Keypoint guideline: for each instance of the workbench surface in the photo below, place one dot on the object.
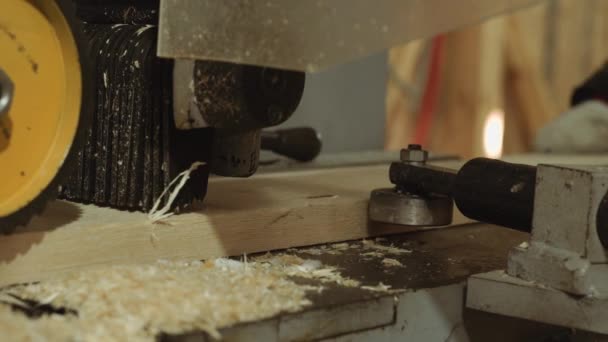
(438, 259)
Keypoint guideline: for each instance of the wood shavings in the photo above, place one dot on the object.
(310, 251)
(136, 303)
(368, 244)
(378, 288)
(373, 255)
(373, 249)
(333, 249)
(295, 266)
(18, 327)
(8, 299)
(392, 262)
(172, 190)
(341, 246)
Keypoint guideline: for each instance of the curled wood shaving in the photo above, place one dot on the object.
(172, 191)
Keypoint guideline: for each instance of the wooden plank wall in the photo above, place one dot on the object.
(526, 64)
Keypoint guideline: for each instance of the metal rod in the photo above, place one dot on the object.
(484, 189)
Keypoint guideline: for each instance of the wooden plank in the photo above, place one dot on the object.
(400, 100)
(491, 79)
(527, 85)
(597, 10)
(452, 129)
(571, 44)
(472, 88)
(267, 212)
(533, 22)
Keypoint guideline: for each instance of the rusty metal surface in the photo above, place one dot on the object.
(389, 205)
(398, 205)
(438, 258)
(309, 35)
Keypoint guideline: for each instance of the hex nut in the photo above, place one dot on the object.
(414, 156)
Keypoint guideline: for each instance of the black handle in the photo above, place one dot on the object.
(302, 143)
(496, 192)
(484, 189)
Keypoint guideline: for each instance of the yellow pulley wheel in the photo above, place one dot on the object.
(42, 95)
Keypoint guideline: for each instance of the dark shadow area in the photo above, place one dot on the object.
(484, 326)
(32, 309)
(57, 214)
(6, 127)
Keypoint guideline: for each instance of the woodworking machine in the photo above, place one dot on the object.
(107, 101)
(89, 112)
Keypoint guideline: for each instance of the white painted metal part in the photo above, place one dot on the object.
(425, 315)
(309, 35)
(560, 276)
(497, 292)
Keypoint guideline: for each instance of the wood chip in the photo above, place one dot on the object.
(369, 244)
(373, 254)
(378, 288)
(392, 262)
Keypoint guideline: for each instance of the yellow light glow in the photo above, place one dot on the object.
(493, 134)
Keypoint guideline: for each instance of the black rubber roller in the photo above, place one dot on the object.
(494, 191)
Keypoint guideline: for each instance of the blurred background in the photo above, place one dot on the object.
(482, 90)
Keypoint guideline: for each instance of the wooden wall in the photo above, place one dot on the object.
(526, 64)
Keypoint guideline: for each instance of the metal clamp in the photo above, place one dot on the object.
(400, 206)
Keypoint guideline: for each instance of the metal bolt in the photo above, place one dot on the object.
(414, 154)
(6, 93)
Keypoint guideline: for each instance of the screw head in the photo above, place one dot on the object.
(414, 154)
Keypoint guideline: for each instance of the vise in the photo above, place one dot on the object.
(560, 276)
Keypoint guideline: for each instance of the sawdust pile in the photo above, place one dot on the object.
(135, 303)
(295, 266)
(17, 327)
